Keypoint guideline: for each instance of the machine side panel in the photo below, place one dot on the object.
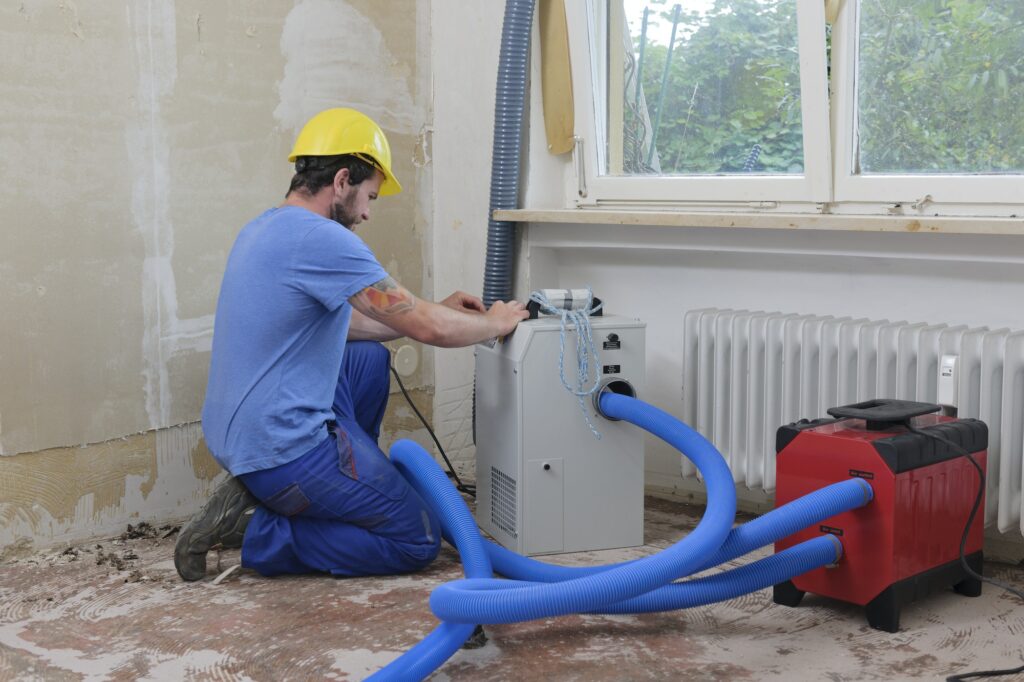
(932, 505)
(498, 446)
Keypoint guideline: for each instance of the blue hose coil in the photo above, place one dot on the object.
(461, 602)
(640, 586)
(766, 529)
(796, 560)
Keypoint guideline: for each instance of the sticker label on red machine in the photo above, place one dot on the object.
(856, 473)
(831, 530)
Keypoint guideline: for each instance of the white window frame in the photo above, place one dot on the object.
(590, 78)
(828, 184)
(935, 189)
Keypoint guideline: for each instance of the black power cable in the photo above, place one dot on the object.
(958, 449)
(468, 489)
(985, 673)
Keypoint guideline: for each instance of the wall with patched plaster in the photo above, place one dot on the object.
(138, 137)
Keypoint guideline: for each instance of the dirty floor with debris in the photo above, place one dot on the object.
(116, 610)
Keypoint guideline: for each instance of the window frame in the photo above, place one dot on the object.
(828, 183)
(934, 189)
(590, 76)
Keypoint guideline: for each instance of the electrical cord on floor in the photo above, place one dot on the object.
(468, 489)
(958, 449)
(985, 673)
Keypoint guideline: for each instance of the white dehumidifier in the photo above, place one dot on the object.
(545, 483)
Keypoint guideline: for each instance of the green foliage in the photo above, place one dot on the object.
(733, 83)
(939, 89)
(941, 86)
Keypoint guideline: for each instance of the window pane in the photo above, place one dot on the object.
(939, 86)
(729, 101)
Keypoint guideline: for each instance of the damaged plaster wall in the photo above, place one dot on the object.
(139, 136)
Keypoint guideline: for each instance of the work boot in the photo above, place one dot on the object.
(219, 524)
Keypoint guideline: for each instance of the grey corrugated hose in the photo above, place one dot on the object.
(509, 104)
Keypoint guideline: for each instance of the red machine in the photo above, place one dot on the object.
(905, 543)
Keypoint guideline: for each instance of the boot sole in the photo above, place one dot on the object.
(189, 547)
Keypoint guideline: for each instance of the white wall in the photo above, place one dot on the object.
(657, 274)
(465, 39)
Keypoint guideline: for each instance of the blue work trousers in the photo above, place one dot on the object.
(342, 507)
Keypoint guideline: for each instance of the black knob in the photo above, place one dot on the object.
(547, 467)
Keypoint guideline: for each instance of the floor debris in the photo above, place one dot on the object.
(117, 610)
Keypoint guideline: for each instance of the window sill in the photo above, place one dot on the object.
(784, 221)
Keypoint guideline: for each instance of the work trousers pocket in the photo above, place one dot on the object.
(360, 459)
(288, 502)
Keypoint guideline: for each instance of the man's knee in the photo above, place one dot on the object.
(370, 354)
(363, 385)
(374, 361)
(422, 551)
(419, 555)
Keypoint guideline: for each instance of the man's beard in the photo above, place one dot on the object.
(342, 213)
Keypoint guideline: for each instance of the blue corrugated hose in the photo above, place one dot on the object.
(541, 590)
(774, 525)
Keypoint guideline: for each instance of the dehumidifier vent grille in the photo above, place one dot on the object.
(503, 501)
(746, 373)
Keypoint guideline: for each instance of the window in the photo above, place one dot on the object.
(710, 90)
(727, 103)
(930, 101)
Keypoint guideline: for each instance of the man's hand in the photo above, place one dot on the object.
(464, 302)
(507, 315)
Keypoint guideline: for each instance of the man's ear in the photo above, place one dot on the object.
(341, 179)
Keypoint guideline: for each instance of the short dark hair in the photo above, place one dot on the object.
(313, 173)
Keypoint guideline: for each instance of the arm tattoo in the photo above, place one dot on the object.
(385, 298)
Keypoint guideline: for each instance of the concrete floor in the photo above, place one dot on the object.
(116, 610)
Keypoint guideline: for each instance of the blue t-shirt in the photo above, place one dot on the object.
(279, 336)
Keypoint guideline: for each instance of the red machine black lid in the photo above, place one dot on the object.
(905, 450)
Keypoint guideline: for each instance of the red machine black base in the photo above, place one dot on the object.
(905, 543)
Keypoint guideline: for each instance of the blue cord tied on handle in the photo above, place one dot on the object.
(574, 307)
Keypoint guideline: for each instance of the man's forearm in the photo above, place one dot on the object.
(363, 328)
(446, 325)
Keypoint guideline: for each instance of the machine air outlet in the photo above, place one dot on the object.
(503, 501)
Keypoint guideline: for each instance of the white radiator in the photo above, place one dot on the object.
(745, 373)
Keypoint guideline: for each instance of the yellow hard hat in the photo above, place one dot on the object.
(347, 131)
